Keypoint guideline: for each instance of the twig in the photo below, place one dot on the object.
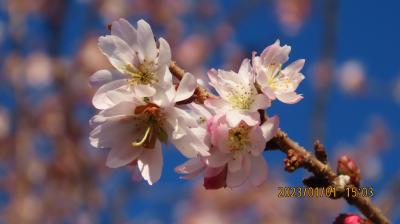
(317, 166)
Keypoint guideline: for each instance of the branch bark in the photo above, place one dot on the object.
(320, 169)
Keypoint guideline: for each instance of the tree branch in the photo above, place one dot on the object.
(319, 168)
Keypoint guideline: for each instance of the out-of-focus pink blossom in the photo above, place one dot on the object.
(192, 51)
(351, 77)
(292, 13)
(39, 70)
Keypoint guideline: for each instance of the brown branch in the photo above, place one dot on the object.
(317, 166)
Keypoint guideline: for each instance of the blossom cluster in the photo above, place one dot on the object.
(142, 106)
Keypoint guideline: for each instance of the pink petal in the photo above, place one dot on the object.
(235, 164)
(150, 163)
(234, 118)
(289, 97)
(258, 170)
(191, 168)
(270, 127)
(260, 102)
(257, 141)
(216, 159)
(235, 179)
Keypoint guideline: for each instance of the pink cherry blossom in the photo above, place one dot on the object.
(274, 81)
(236, 154)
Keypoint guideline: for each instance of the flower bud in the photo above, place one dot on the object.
(347, 166)
(350, 219)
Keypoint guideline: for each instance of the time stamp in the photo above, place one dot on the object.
(310, 192)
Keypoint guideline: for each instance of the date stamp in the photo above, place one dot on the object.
(310, 192)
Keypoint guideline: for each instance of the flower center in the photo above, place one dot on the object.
(241, 98)
(142, 75)
(151, 119)
(276, 79)
(238, 137)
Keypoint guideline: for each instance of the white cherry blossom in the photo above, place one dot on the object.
(139, 64)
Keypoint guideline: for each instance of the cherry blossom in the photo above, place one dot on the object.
(274, 81)
(139, 65)
(236, 153)
(134, 129)
(239, 98)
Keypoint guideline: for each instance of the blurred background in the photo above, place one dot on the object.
(48, 49)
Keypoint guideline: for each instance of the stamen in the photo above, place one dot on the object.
(145, 137)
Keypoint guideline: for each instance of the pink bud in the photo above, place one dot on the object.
(350, 219)
(348, 167)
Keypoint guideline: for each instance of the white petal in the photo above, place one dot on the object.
(123, 108)
(144, 91)
(275, 54)
(270, 127)
(217, 105)
(186, 87)
(258, 170)
(110, 131)
(237, 178)
(146, 40)
(268, 92)
(150, 163)
(122, 154)
(245, 68)
(100, 99)
(191, 168)
(289, 97)
(117, 51)
(260, 102)
(124, 30)
(234, 118)
(164, 57)
(217, 159)
(191, 145)
(104, 76)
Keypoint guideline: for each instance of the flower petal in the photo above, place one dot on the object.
(122, 154)
(150, 164)
(186, 87)
(164, 57)
(124, 30)
(289, 97)
(191, 168)
(216, 159)
(258, 170)
(104, 76)
(261, 101)
(101, 100)
(235, 164)
(146, 41)
(117, 51)
(270, 127)
(234, 118)
(144, 91)
(235, 179)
